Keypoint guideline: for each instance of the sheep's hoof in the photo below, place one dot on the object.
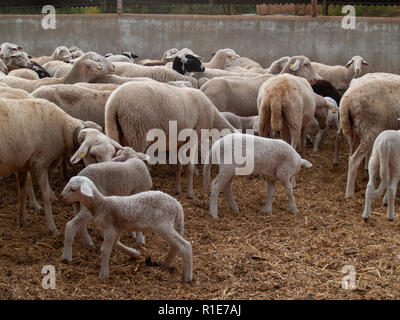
(191, 196)
(366, 220)
(66, 260)
(214, 215)
(390, 219)
(35, 206)
(103, 275)
(55, 232)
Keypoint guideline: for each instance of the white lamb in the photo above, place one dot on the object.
(385, 162)
(126, 175)
(275, 159)
(151, 210)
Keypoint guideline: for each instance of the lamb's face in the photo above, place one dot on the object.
(63, 54)
(77, 187)
(20, 59)
(96, 65)
(99, 153)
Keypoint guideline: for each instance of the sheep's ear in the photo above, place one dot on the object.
(364, 62)
(143, 156)
(115, 144)
(79, 154)
(95, 66)
(86, 189)
(349, 63)
(294, 66)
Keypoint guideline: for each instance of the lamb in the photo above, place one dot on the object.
(369, 106)
(287, 101)
(35, 135)
(128, 119)
(385, 162)
(275, 67)
(158, 73)
(53, 66)
(340, 76)
(16, 60)
(239, 96)
(88, 67)
(332, 119)
(223, 58)
(150, 210)
(24, 74)
(79, 102)
(61, 53)
(189, 63)
(275, 159)
(126, 175)
(241, 123)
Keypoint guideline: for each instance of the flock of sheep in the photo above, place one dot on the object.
(53, 110)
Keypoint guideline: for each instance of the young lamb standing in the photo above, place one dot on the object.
(126, 175)
(146, 211)
(385, 162)
(275, 159)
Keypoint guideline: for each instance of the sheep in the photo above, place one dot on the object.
(35, 135)
(79, 102)
(275, 159)
(168, 56)
(75, 52)
(126, 175)
(98, 86)
(89, 66)
(241, 123)
(369, 106)
(385, 162)
(187, 64)
(332, 119)
(53, 66)
(61, 53)
(214, 73)
(326, 89)
(245, 62)
(287, 101)
(128, 118)
(118, 58)
(223, 58)
(180, 84)
(239, 96)
(7, 49)
(150, 210)
(275, 67)
(16, 60)
(3, 67)
(340, 76)
(24, 74)
(157, 73)
(41, 72)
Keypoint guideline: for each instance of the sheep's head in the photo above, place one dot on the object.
(278, 65)
(128, 153)
(62, 53)
(94, 147)
(19, 59)
(95, 65)
(130, 55)
(231, 57)
(355, 64)
(322, 108)
(189, 63)
(76, 187)
(7, 49)
(300, 66)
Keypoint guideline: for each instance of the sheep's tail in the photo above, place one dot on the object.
(346, 122)
(180, 220)
(263, 122)
(112, 125)
(305, 163)
(381, 164)
(276, 113)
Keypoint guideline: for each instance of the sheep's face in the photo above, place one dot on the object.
(192, 64)
(128, 153)
(301, 67)
(20, 59)
(99, 153)
(232, 58)
(76, 54)
(355, 64)
(77, 187)
(96, 65)
(63, 54)
(7, 49)
(169, 55)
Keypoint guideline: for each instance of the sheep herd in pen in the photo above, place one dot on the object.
(73, 105)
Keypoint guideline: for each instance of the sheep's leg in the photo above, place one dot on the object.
(129, 251)
(229, 196)
(303, 140)
(366, 159)
(391, 196)
(33, 203)
(139, 237)
(189, 190)
(294, 138)
(369, 193)
(338, 141)
(52, 194)
(178, 244)
(22, 191)
(318, 139)
(178, 178)
(43, 181)
(384, 201)
(77, 223)
(354, 164)
(289, 191)
(270, 195)
(110, 235)
(216, 186)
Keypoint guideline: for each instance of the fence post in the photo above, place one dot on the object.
(324, 8)
(314, 8)
(119, 7)
(211, 4)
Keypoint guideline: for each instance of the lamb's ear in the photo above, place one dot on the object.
(86, 189)
(115, 144)
(364, 62)
(294, 66)
(143, 156)
(349, 63)
(80, 153)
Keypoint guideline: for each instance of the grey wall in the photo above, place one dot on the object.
(261, 38)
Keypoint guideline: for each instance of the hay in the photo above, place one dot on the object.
(240, 256)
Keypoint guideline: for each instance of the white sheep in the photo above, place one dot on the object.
(241, 123)
(24, 74)
(61, 53)
(385, 163)
(223, 58)
(35, 135)
(126, 175)
(146, 211)
(340, 76)
(275, 159)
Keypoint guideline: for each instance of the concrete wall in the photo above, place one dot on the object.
(262, 38)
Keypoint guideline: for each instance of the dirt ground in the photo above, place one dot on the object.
(239, 256)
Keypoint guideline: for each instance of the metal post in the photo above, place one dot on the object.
(119, 7)
(314, 8)
(324, 8)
